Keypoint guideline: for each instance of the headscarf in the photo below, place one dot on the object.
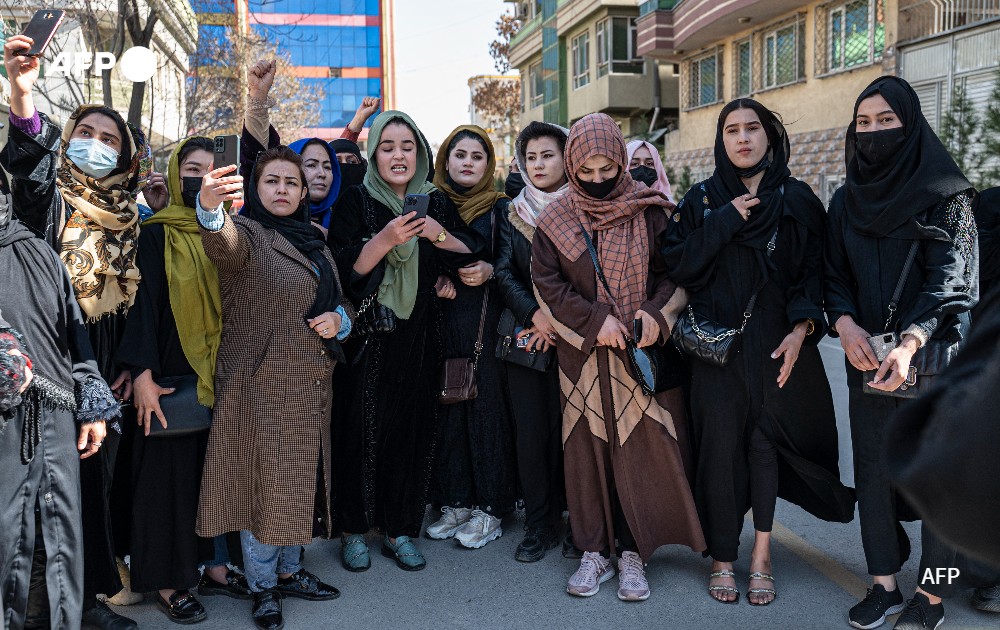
(299, 231)
(321, 210)
(725, 184)
(619, 219)
(478, 200)
(398, 289)
(192, 283)
(343, 145)
(99, 240)
(530, 202)
(885, 199)
(662, 181)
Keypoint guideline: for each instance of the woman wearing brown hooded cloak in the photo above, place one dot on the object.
(626, 453)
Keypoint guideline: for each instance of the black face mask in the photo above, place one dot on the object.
(878, 147)
(351, 175)
(644, 174)
(514, 185)
(746, 173)
(599, 190)
(190, 187)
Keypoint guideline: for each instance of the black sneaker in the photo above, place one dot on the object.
(920, 614)
(305, 585)
(987, 599)
(236, 586)
(536, 541)
(182, 608)
(266, 611)
(102, 617)
(875, 607)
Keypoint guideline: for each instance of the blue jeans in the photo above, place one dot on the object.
(220, 553)
(265, 562)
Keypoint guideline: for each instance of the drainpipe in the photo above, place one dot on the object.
(656, 95)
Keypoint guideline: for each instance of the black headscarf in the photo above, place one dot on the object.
(350, 174)
(884, 199)
(298, 230)
(726, 185)
(343, 145)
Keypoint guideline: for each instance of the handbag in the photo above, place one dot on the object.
(373, 318)
(508, 350)
(653, 366)
(709, 341)
(184, 414)
(929, 361)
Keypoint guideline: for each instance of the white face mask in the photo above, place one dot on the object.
(92, 156)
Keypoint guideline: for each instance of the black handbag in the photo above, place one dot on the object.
(181, 409)
(710, 341)
(373, 318)
(929, 361)
(507, 349)
(652, 365)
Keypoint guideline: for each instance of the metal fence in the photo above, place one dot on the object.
(924, 18)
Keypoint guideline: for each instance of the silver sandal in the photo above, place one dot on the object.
(758, 591)
(725, 589)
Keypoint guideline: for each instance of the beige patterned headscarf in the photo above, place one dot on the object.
(98, 244)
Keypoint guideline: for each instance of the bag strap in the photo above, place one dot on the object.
(593, 257)
(894, 303)
(486, 295)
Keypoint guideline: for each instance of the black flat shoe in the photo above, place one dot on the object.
(236, 586)
(182, 608)
(100, 616)
(267, 611)
(305, 585)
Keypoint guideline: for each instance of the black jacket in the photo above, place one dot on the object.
(513, 266)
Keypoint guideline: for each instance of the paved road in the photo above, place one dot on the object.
(819, 566)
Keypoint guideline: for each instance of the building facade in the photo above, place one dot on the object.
(580, 56)
(809, 61)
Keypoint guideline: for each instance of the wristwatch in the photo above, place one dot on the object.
(441, 237)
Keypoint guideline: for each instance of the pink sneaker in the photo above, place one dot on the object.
(632, 584)
(594, 570)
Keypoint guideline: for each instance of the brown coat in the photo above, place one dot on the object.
(272, 392)
(615, 437)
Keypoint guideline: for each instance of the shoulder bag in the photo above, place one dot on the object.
(184, 414)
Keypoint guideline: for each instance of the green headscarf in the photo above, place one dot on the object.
(398, 289)
(192, 282)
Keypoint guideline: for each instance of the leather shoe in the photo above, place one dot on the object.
(267, 611)
(182, 608)
(236, 585)
(100, 616)
(305, 585)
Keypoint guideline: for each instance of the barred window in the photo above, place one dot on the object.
(537, 92)
(849, 34)
(704, 76)
(743, 68)
(617, 46)
(784, 54)
(581, 60)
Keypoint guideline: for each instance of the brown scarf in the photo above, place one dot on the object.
(479, 199)
(99, 240)
(619, 219)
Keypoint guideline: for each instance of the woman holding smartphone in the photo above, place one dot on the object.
(392, 260)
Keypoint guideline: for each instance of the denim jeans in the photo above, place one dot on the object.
(265, 562)
(220, 551)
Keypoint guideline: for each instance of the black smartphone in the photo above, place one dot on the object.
(227, 151)
(418, 204)
(636, 330)
(41, 29)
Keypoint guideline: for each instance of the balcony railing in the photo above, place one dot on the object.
(652, 5)
(926, 18)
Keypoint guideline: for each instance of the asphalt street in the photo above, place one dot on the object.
(819, 567)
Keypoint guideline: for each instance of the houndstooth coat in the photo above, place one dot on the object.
(271, 427)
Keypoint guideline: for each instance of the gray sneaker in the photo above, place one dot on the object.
(446, 526)
(632, 584)
(594, 570)
(479, 530)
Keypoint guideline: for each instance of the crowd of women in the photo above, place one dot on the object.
(576, 343)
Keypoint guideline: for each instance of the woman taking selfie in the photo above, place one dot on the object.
(385, 442)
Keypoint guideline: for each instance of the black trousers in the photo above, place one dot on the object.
(534, 400)
(100, 572)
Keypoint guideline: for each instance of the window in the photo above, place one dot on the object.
(617, 43)
(703, 80)
(855, 35)
(784, 55)
(743, 68)
(535, 84)
(581, 61)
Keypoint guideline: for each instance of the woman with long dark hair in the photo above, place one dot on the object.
(747, 244)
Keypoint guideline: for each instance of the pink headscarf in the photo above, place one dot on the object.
(662, 183)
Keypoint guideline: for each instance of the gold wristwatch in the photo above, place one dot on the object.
(441, 237)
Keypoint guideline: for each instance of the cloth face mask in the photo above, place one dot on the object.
(644, 174)
(878, 147)
(598, 190)
(92, 156)
(190, 187)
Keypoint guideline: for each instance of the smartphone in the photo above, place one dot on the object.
(227, 151)
(418, 204)
(41, 29)
(636, 330)
(882, 345)
(522, 342)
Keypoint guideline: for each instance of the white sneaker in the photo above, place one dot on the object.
(448, 524)
(594, 570)
(632, 584)
(481, 529)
